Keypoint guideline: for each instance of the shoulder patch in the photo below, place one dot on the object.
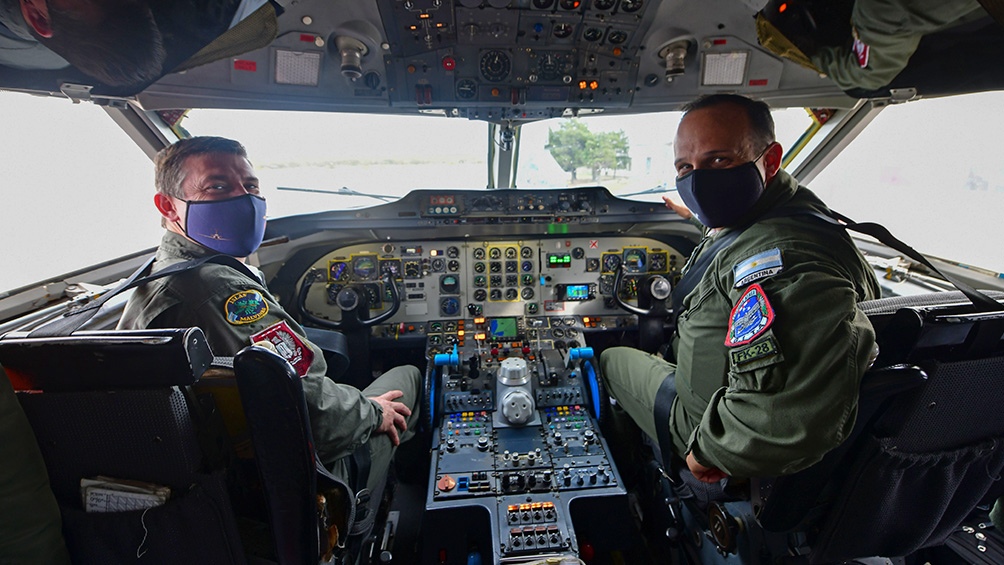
(759, 266)
(288, 345)
(861, 51)
(750, 317)
(245, 307)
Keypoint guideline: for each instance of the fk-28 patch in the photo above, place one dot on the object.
(750, 317)
(759, 266)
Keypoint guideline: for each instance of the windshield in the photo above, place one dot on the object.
(391, 155)
(930, 171)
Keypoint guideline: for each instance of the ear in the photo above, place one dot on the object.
(166, 206)
(36, 15)
(772, 158)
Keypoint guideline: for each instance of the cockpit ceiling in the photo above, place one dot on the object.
(499, 60)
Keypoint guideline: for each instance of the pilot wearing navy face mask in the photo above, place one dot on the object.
(770, 346)
(208, 196)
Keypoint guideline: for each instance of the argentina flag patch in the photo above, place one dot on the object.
(759, 266)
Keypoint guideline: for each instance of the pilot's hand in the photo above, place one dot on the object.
(680, 209)
(394, 414)
(704, 474)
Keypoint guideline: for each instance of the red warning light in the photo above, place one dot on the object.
(449, 63)
(782, 7)
(593, 85)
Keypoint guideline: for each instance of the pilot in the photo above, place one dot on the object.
(115, 41)
(208, 196)
(770, 347)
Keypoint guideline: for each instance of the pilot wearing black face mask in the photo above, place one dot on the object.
(770, 346)
(721, 197)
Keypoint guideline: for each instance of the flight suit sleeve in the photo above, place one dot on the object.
(886, 34)
(341, 417)
(793, 387)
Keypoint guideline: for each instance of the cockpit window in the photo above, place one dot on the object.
(339, 161)
(310, 162)
(930, 171)
(76, 190)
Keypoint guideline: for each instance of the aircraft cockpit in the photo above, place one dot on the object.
(475, 188)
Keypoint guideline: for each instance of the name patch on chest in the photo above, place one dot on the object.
(245, 307)
(288, 345)
(750, 317)
(759, 266)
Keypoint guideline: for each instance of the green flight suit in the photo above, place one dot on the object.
(31, 530)
(887, 32)
(341, 416)
(776, 404)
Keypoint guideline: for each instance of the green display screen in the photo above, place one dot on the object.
(502, 327)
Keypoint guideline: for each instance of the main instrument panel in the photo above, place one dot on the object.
(443, 282)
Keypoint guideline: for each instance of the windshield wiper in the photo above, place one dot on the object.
(654, 190)
(344, 191)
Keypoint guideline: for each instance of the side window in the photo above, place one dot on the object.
(76, 190)
(931, 172)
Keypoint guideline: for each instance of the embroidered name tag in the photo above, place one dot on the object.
(759, 266)
(750, 317)
(245, 307)
(288, 345)
(763, 348)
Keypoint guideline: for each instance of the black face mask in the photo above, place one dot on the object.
(721, 197)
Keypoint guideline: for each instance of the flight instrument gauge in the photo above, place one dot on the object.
(449, 306)
(611, 262)
(364, 267)
(338, 271)
(438, 265)
(467, 89)
(449, 284)
(629, 6)
(617, 37)
(390, 267)
(452, 252)
(592, 34)
(479, 253)
(495, 65)
(526, 252)
(656, 262)
(562, 31)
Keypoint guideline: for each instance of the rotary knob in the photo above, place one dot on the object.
(513, 371)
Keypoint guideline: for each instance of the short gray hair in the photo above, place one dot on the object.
(169, 163)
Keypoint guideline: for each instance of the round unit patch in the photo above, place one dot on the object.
(245, 307)
(750, 317)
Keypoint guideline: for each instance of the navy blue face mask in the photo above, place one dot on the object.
(234, 226)
(721, 197)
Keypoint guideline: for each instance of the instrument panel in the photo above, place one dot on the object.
(456, 279)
